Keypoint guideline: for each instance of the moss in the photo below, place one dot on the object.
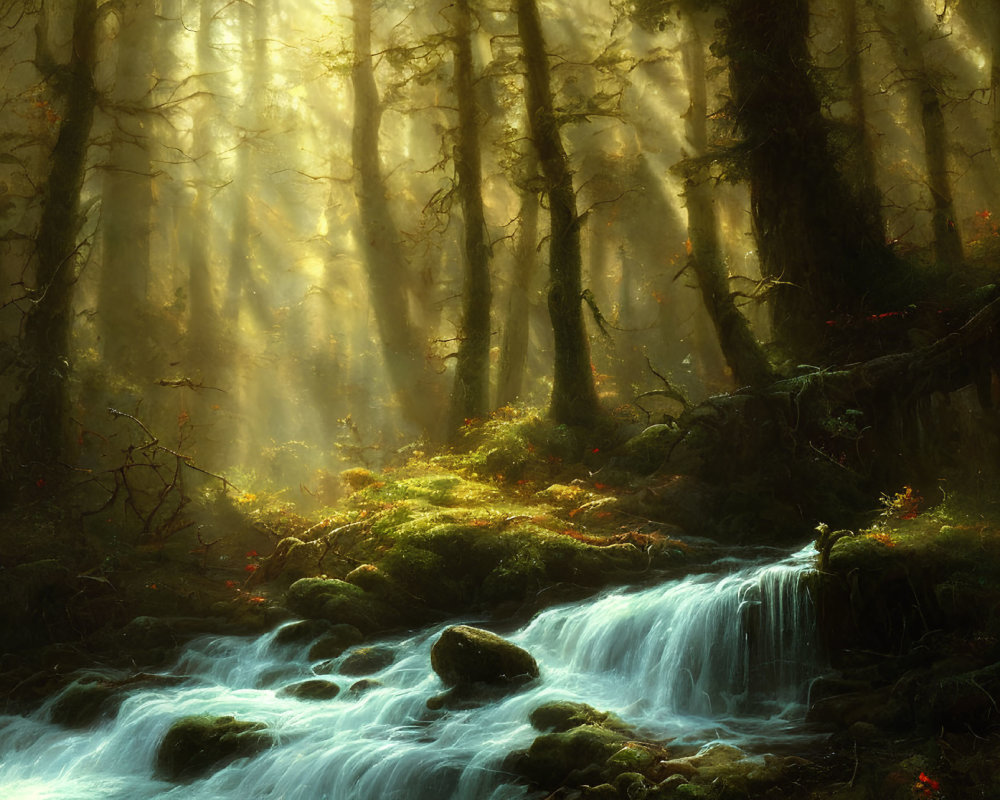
(339, 602)
(195, 745)
(563, 715)
(552, 757)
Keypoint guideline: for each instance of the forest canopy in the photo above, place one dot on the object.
(281, 238)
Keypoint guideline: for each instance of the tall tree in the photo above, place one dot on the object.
(127, 197)
(38, 418)
(384, 259)
(470, 394)
(743, 352)
(816, 239)
(574, 395)
(900, 23)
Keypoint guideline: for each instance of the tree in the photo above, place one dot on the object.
(380, 239)
(574, 395)
(38, 418)
(900, 24)
(743, 353)
(470, 393)
(817, 241)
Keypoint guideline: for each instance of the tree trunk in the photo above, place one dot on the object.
(514, 349)
(380, 241)
(574, 396)
(902, 31)
(862, 150)
(37, 423)
(825, 255)
(470, 394)
(127, 200)
(742, 351)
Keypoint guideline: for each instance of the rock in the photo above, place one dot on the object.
(561, 715)
(632, 785)
(553, 757)
(93, 697)
(194, 746)
(340, 602)
(464, 655)
(364, 685)
(366, 660)
(339, 638)
(305, 630)
(633, 757)
(316, 689)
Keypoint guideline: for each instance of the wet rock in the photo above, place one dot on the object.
(555, 759)
(366, 660)
(339, 639)
(303, 631)
(315, 689)
(562, 715)
(364, 685)
(94, 697)
(464, 655)
(194, 746)
(339, 602)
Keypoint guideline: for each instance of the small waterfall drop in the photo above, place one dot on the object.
(723, 655)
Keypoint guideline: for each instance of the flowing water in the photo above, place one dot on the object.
(721, 656)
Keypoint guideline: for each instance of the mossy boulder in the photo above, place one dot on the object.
(465, 655)
(302, 631)
(91, 698)
(569, 757)
(338, 639)
(366, 660)
(339, 602)
(563, 715)
(315, 689)
(196, 745)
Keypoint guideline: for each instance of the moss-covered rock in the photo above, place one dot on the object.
(366, 660)
(338, 639)
(93, 697)
(339, 602)
(562, 715)
(196, 745)
(463, 655)
(315, 689)
(553, 758)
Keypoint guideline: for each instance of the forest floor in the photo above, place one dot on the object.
(525, 514)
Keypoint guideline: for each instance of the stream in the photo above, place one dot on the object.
(725, 655)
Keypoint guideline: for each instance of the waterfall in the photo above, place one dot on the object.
(723, 655)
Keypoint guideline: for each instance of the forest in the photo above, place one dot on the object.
(378, 372)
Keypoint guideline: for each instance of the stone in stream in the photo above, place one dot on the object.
(465, 655)
(196, 745)
(366, 660)
(315, 689)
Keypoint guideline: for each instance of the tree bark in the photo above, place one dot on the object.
(127, 199)
(516, 330)
(901, 29)
(574, 395)
(470, 393)
(742, 351)
(380, 241)
(37, 422)
(816, 242)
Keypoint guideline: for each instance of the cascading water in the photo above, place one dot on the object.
(724, 655)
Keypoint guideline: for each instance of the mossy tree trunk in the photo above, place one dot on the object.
(743, 353)
(470, 393)
(901, 27)
(816, 241)
(38, 419)
(384, 259)
(574, 395)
